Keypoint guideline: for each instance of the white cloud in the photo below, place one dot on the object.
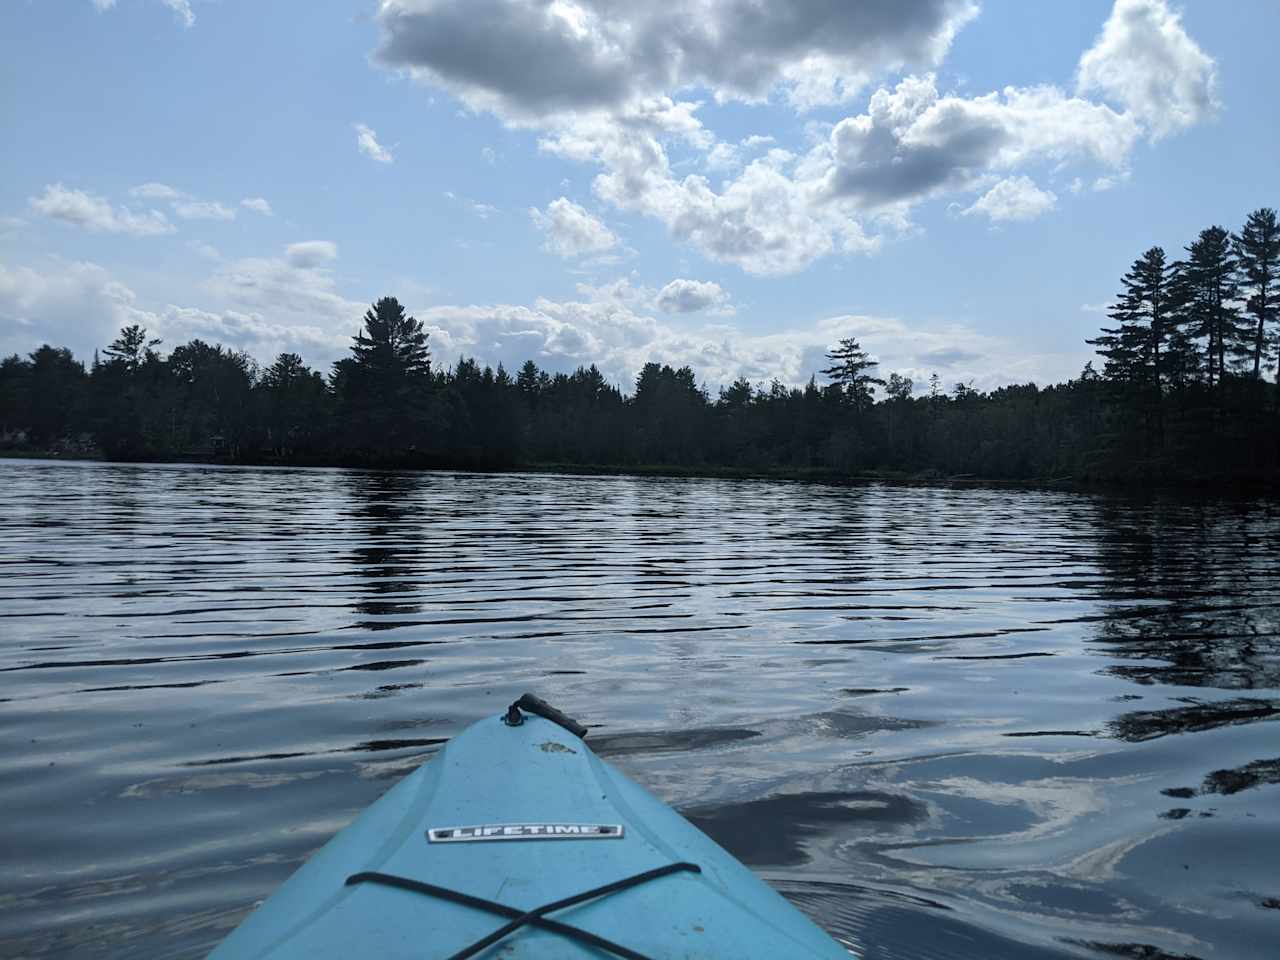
(607, 328)
(182, 10)
(571, 230)
(597, 78)
(72, 304)
(297, 292)
(95, 213)
(571, 56)
(367, 142)
(203, 210)
(252, 332)
(914, 142)
(189, 207)
(769, 220)
(1014, 198)
(311, 253)
(489, 155)
(257, 205)
(1102, 184)
(82, 306)
(691, 296)
(723, 156)
(157, 191)
(1145, 61)
(11, 223)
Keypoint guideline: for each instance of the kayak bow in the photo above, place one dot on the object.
(516, 841)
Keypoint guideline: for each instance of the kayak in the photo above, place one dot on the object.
(516, 841)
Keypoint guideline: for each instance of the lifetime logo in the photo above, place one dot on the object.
(525, 831)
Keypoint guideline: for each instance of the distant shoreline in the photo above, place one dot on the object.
(1201, 486)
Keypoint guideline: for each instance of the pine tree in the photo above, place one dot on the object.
(383, 388)
(1206, 291)
(1257, 249)
(132, 347)
(392, 343)
(850, 372)
(1135, 349)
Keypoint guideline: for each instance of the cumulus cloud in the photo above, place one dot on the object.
(597, 79)
(203, 210)
(575, 55)
(1014, 198)
(257, 205)
(1145, 61)
(72, 304)
(768, 220)
(913, 142)
(607, 328)
(297, 292)
(252, 332)
(268, 304)
(95, 213)
(367, 143)
(311, 253)
(691, 296)
(571, 230)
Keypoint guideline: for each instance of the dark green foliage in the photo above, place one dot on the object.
(1205, 291)
(852, 373)
(383, 390)
(1177, 400)
(296, 407)
(1257, 249)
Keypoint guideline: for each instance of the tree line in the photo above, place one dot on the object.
(1183, 396)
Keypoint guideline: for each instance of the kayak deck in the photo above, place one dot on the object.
(523, 816)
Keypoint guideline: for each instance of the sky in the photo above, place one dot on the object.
(728, 184)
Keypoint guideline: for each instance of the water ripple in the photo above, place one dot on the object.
(945, 723)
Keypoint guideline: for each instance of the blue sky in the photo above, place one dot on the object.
(959, 185)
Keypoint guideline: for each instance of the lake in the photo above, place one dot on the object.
(945, 723)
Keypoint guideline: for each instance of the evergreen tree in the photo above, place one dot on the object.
(737, 396)
(132, 348)
(1257, 249)
(528, 381)
(15, 395)
(57, 381)
(899, 387)
(851, 373)
(382, 390)
(1206, 291)
(392, 343)
(295, 402)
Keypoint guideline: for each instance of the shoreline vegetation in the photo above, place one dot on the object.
(1183, 400)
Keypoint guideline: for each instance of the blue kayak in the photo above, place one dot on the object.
(516, 841)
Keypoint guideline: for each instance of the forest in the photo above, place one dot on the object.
(1183, 393)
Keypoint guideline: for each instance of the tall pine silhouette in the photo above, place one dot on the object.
(852, 373)
(1257, 248)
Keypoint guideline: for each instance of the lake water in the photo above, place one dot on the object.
(951, 723)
